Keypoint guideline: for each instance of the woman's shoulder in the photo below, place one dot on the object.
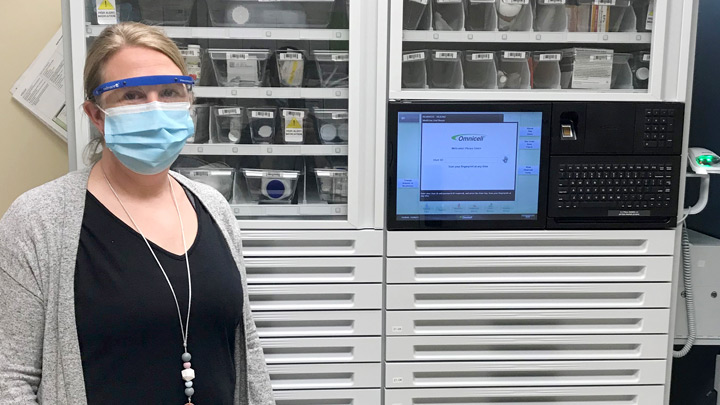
(47, 201)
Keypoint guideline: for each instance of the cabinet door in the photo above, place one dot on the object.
(530, 296)
(630, 395)
(531, 243)
(529, 269)
(333, 397)
(324, 376)
(314, 270)
(514, 374)
(314, 297)
(531, 347)
(318, 323)
(528, 322)
(321, 350)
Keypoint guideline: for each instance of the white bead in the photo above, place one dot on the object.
(188, 374)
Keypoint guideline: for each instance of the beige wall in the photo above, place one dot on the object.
(30, 153)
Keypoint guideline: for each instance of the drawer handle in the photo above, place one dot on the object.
(268, 328)
(275, 243)
(440, 325)
(454, 377)
(308, 354)
(520, 243)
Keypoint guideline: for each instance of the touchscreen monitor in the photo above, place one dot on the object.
(467, 166)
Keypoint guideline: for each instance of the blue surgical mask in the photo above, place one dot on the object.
(147, 138)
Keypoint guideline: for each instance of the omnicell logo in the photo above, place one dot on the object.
(469, 138)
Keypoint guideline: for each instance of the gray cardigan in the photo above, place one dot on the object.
(39, 351)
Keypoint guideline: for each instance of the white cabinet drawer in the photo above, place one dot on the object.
(531, 243)
(318, 324)
(525, 373)
(304, 297)
(532, 296)
(632, 395)
(530, 347)
(529, 269)
(314, 270)
(528, 322)
(322, 350)
(329, 397)
(312, 243)
(324, 376)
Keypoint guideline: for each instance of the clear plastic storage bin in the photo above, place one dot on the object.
(332, 185)
(262, 122)
(268, 14)
(641, 69)
(219, 177)
(414, 12)
(290, 68)
(166, 12)
(294, 124)
(586, 68)
(333, 68)
(551, 16)
(601, 16)
(271, 186)
(193, 59)
(622, 76)
(239, 67)
(448, 15)
(201, 119)
(227, 124)
(480, 70)
(513, 70)
(546, 70)
(481, 15)
(414, 70)
(445, 70)
(332, 126)
(514, 15)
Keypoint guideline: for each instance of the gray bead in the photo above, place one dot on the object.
(186, 356)
(188, 384)
(189, 392)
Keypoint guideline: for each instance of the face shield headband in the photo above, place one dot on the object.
(143, 81)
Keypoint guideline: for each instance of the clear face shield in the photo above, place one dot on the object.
(143, 90)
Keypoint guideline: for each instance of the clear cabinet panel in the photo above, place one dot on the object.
(497, 45)
(271, 99)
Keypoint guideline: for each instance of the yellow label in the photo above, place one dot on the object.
(106, 5)
(294, 123)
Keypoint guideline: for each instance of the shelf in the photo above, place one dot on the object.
(289, 210)
(525, 95)
(270, 92)
(243, 33)
(265, 150)
(529, 37)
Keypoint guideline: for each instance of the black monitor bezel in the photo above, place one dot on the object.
(391, 222)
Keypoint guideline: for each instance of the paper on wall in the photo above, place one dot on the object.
(41, 88)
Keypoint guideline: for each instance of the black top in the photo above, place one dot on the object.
(127, 322)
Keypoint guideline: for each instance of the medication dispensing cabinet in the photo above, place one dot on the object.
(349, 313)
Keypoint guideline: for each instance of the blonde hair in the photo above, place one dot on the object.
(110, 41)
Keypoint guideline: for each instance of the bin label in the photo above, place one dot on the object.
(262, 114)
(340, 115)
(293, 126)
(448, 1)
(420, 1)
(340, 57)
(106, 12)
(229, 111)
(516, 1)
(291, 56)
(482, 56)
(550, 57)
(605, 2)
(446, 55)
(601, 58)
(646, 57)
(414, 56)
(514, 55)
(554, 2)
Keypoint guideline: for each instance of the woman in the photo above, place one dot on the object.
(120, 283)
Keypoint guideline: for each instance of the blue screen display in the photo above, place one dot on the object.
(468, 165)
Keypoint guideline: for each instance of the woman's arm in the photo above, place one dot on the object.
(22, 313)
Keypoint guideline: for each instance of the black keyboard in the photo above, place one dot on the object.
(614, 188)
